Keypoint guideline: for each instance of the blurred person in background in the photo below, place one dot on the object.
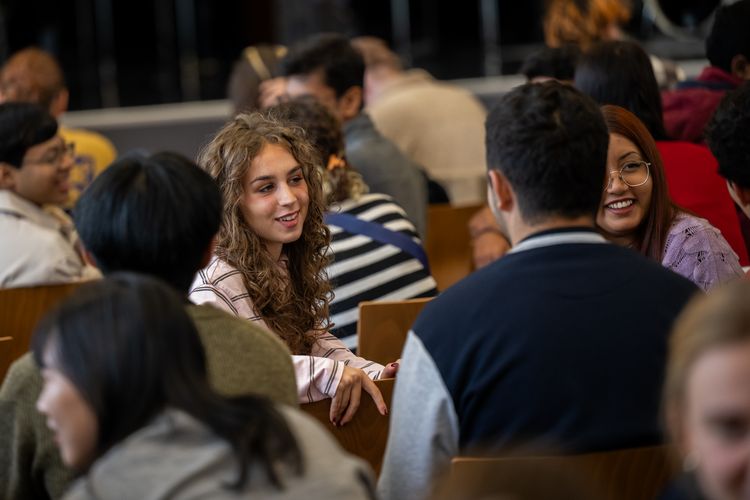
(33, 75)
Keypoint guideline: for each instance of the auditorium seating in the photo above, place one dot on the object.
(640, 473)
(20, 310)
(366, 435)
(448, 244)
(383, 325)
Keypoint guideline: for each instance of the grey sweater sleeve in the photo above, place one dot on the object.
(424, 427)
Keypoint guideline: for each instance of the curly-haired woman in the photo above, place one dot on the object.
(270, 256)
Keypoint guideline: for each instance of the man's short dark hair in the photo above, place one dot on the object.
(729, 35)
(552, 62)
(550, 141)
(156, 215)
(341, 64)
(727, 135)
(22, 126)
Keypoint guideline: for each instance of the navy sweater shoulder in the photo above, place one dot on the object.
(557, 347)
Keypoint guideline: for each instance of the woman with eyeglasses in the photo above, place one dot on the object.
(636, 210)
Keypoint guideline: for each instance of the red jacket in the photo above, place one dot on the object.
(695, 184)
(688, 108)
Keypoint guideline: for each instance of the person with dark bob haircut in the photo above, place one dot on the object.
(134, 413)
(620, 74)
(375, 250)
(503, 361)
(329, 68)
(40, 245)
(727, 136)
(156, 215)
(188, 216)
(636, 210)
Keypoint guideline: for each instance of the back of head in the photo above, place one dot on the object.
(376, 53)
(128, 346)
(727, 135)
(729, 35)
(340, 64)
(23, 125)
(156, 215)
(323, 130)
(558, 63)
(582, 22)
(31, 75)
(620, 73)
(550, 142)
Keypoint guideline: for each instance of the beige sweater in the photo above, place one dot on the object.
(242, 359)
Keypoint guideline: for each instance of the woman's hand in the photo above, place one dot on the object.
(345, 402)
(487, 247)
(390, 369)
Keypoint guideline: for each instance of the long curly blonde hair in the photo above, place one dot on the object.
(294, 307)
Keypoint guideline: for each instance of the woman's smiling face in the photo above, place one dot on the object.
(275, 199)
(623, 207)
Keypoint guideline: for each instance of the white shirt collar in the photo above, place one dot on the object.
(563, 238)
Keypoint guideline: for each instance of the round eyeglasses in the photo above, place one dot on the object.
(56, 155)
(633, 174)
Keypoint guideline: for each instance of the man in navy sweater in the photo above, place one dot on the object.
(560, 345)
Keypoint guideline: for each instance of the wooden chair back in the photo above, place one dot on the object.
(636, 473)
(20, 311)
(383, 325)
(366, 435)
(448, 243)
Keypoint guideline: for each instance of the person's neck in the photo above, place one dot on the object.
(274, 250)
(521, 230)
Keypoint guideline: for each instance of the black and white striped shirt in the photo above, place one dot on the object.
(364, 269)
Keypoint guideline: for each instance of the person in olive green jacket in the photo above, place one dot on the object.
(155, 215)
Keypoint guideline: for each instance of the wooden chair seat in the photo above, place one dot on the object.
(448, 243)
(20, 311)
(366, 435)
(636, 473)
(383, 325)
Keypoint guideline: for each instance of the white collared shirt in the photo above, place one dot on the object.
(38, 245)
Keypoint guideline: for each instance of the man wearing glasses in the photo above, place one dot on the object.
(39, 243)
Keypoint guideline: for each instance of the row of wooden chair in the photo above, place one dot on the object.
(20, 310)
(448, 244)
(383, 326)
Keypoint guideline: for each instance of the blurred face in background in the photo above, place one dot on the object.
(716, 421)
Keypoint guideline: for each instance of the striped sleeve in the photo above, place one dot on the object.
(330, 347)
